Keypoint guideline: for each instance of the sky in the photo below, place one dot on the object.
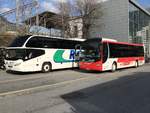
(48, 5)
(145, 3)
(6, 5)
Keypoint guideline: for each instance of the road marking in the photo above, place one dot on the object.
(28, 90)
(21, 79)
(26, 78)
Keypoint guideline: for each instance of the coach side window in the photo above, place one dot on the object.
(35, 42)
(68, 44)
(31, 53)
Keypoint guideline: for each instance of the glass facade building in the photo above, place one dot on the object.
(124, 21)
(139, 22)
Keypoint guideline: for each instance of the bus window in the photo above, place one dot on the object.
(15, 54)
(122, 50)
(33, 53)
(35, 42)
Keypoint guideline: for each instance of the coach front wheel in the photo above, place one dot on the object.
(46, 67)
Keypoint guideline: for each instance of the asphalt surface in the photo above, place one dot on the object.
(19, 81)
(125, 91)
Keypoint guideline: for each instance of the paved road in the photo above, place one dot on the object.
(125, 91)
(19, 81)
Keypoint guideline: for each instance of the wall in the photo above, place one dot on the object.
(114, 21)
(76, 23)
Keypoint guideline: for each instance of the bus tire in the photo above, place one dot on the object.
(114, 67)
(46, 67)
(136, 64)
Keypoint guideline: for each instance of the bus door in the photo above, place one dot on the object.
(105, 56)
(99, 58)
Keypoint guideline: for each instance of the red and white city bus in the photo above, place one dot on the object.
(101, 54)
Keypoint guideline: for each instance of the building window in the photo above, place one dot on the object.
(75, 31)
(138, 22)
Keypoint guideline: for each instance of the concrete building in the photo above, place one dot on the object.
(76, 27)
(123, 20)
(5, 25)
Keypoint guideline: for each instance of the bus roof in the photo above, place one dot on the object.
(108, 39)
(101, 39)
(126, 43)
(113, 41)
(9, 48)
(76, 39)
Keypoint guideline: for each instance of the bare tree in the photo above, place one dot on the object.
(24, 10)
(89, 11)
(65, 13)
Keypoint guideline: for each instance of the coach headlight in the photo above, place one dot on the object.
(17, 64)
(6, 62)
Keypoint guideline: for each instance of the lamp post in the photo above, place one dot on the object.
(37, 15)
(17, 14)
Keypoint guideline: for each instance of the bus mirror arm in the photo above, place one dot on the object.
(76, 47)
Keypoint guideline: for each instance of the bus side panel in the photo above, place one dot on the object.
(108, 64)
(61, 58)
(122, 62)
(129, 62)
(34, 64)
(141, 60)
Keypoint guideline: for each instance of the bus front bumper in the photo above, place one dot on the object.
(94, 66)
(14, 68)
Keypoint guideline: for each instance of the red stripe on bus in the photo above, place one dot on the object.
(129, 59)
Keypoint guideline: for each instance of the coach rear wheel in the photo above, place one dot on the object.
(114, 67)
(46, 67)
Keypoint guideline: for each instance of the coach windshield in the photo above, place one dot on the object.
(23, 54)
(15, 54)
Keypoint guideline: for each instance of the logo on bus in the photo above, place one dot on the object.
(58, 56)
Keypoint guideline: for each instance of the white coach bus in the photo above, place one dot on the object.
(40, 53)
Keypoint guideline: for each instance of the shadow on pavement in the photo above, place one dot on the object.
(38, 72)
(21, 73)
(130, 94)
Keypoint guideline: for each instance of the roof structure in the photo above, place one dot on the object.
(47, 20)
